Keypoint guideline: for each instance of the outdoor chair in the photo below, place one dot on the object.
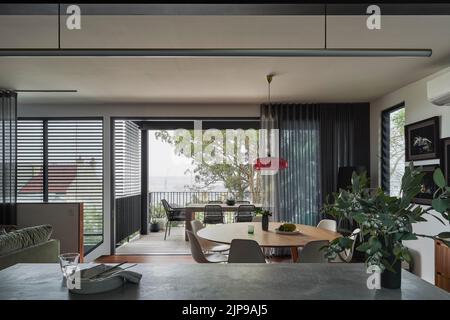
(213, 214)
(245, 213)
(172, 214)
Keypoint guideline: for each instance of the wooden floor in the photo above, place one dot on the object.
(154, 243)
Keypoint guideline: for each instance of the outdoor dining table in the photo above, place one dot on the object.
(191, 209)
(225, 233)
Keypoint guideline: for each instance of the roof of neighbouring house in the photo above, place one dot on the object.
(60, 179)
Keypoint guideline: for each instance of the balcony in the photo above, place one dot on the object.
(153, 242)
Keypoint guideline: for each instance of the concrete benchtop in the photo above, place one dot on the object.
(221, 281)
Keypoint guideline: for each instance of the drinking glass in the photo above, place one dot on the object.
(69, 263)
(251, 229)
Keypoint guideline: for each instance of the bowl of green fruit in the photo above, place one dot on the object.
(287, 228)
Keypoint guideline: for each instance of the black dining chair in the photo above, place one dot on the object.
(245, 213)
(242, 202)
(172, 214)
(215, 202)
(213, 214)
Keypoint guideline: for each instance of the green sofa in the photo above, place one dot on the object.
(28, 245)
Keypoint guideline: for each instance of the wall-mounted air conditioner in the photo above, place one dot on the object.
(439, 90)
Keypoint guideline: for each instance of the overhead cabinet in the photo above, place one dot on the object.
(149, 27)
(30, 26)
(347, 27)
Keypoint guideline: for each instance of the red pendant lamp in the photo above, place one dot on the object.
(270, 163)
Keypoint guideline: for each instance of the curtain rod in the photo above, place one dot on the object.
(190, 53)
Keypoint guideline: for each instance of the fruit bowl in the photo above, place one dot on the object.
(287, 228)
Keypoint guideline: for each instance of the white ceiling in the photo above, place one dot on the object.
(231, 80)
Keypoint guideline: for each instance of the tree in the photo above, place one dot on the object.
(397, 149)
(239, 178)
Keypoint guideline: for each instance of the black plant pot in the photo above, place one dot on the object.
(231, 202)
(154, 227)
(265, 223)
(392, 280)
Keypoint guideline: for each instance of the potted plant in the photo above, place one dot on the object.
(265, 218)
(157, 220)
(230, 202)
(386, 221)
(154, 226)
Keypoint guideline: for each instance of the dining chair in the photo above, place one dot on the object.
(245, 251)
(312, 253)
(215, 202)
(327, 224)
(172, 214)
(347, 254)
(213, 214)
(244, 213)
(207, 246)
(197, 252)
(242, 202)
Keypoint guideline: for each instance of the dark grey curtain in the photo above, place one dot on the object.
(8, 182)
(344, 140)
(315, 139)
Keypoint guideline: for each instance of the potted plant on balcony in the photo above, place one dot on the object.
(386, 221)
(265, 218)
(157, 221)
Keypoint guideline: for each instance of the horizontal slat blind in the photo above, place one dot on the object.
(127, 158)
(30, 159)
(75, 170)
(74, 167)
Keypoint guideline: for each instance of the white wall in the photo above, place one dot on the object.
(417, 108)
(148, 110)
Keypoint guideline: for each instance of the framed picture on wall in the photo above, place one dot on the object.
(428, 187)
(445, 161)
(422, 140)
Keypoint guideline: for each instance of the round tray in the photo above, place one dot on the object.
(97, 285)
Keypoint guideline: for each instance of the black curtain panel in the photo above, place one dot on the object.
(344, 141)
(8, 182)
(316, 139)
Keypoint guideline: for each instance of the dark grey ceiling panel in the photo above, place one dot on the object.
(391, 9)
(28, 9)
(200, 9)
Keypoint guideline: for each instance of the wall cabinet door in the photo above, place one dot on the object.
(141, 27)
(28, 26)
(442, 265)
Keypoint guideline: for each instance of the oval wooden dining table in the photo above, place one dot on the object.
(225, 233)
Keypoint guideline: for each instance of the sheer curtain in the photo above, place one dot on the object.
(8, 125)
(315, 139)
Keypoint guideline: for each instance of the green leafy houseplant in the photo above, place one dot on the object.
(385, 221)
(263, 212)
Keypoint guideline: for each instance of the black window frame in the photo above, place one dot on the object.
(45, 164)
(385, 168)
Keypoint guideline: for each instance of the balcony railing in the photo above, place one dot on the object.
(184, 198)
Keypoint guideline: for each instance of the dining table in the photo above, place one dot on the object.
(192, 208)
(225, 233)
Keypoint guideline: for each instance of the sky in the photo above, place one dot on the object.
(163, 161)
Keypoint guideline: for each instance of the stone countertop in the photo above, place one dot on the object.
(221, 281)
